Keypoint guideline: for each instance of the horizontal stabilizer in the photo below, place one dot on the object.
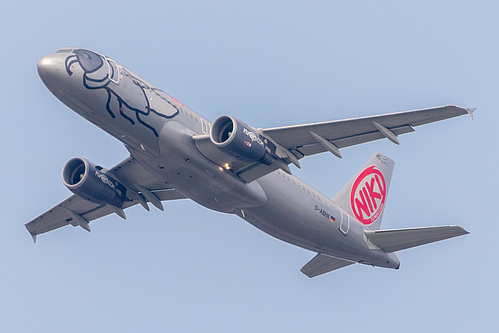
(400, 239)
(322, 263)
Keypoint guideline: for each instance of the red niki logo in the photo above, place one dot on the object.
(368, 195)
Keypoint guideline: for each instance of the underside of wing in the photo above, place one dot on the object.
(289, 144)
(141, 188)
(130, 172)
(248, 171)
(309, 139)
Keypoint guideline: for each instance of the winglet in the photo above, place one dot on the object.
(470, 112)
(34, 238)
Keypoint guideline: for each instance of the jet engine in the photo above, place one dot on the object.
(90, 182)
(237, 138)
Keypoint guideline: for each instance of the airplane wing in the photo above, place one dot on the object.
(309, 139)
(79, 212)
(289, 144)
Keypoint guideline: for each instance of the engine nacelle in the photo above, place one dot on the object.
(237, 138)
(89, 182)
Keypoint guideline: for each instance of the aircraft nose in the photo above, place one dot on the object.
(49, 69)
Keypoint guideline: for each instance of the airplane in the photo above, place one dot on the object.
(229, 166)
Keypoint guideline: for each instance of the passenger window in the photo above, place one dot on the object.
(89, 61)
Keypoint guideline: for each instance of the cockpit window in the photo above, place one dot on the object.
(65, 51)
(89, 61)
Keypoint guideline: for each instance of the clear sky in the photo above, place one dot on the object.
(270, 64)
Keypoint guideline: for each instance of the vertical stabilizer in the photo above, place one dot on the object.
(364, 196)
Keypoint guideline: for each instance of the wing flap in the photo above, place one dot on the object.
(401, 239)
(322, 263)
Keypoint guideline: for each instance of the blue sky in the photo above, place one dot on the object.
(270, 64)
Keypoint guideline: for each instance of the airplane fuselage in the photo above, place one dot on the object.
(157, 130)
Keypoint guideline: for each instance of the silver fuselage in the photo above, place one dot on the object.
(158, 131)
